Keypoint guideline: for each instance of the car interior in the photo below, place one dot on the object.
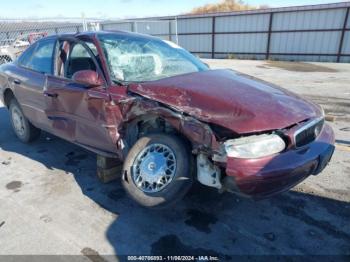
(73, 58)
(76, 64)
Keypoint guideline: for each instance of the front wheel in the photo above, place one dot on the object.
(23, 129)
(157, 171)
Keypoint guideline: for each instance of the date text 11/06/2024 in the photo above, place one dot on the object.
(173, 258)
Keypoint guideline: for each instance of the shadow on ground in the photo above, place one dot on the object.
(205, 222)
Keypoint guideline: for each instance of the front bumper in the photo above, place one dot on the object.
(264, 177)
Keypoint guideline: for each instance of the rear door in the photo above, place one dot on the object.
(29, 80)
(77, 112)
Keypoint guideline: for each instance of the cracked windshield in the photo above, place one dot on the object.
(136, 59)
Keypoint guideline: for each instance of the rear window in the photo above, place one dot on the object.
(39, 57)
(26, 55)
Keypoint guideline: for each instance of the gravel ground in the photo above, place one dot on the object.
(51, 201)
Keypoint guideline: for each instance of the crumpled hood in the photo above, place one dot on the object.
(229, 99)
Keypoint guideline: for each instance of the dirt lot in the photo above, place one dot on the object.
(51, 201)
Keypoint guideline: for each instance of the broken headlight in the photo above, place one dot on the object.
(254, 146)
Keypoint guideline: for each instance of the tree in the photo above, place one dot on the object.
(225, 6)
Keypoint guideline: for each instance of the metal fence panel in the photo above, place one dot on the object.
(128, 26)
(242, 23)
(196, 43)
(160, 28)
(241, 43)
(195, 25)
(153, 27)
(164, 37)
(305, 42)
(310, 33)
(324, 19)
(346, 45)
(174, 26)
(203, 55)
(345, 59)
(173, 38)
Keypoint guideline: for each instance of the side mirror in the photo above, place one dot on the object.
(88, 77)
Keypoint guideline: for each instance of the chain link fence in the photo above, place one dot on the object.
(17, 34)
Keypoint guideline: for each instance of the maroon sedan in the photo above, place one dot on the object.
(164, 113)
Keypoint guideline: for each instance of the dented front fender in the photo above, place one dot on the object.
(121, 113)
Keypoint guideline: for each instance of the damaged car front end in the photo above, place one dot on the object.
(263, 139)
(264, 165)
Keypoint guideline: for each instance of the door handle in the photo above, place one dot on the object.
(53, 95)
(17, 81)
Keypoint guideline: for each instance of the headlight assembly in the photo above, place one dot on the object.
(254, 146)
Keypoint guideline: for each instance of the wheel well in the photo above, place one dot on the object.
(8, 96)
(151, 124)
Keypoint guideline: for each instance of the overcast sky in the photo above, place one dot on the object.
(118, 8)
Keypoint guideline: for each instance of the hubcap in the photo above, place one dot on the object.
(18, 122)
(154, 168)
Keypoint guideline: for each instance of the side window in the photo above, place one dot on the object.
(26, 56)
(41, 60)
(79, 59)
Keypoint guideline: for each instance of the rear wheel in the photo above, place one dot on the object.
(157, 171)
(23, 129)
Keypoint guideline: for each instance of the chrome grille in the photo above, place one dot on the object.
(309, 132)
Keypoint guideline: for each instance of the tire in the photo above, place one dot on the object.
(23, 129)
(176, 187)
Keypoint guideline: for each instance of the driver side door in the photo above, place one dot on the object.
(77, 112)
